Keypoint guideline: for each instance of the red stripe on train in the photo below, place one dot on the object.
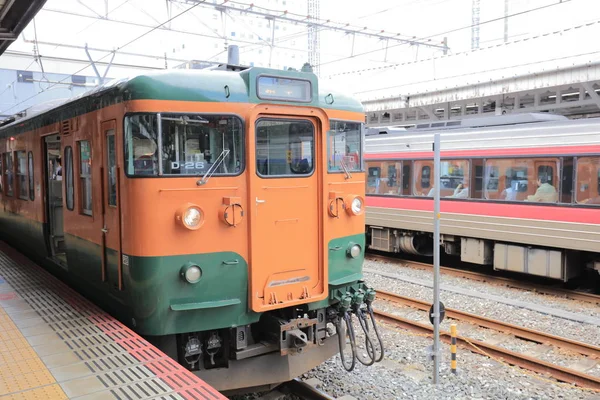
(524, 211)
(532, 151)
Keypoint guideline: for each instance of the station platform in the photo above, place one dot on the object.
(55, 344)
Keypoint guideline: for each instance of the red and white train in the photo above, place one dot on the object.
(520, 192)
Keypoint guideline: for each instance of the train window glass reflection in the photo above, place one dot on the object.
(68, 175)
(85, 176)
(284, 147)
(8, 174)
(191, 144)
(31, 176)
(112, 169)
(344, 146)
(373, 178)
(141, 144)
(194, 144)
(588, 181)
(22, 174)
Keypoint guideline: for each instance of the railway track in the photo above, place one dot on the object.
(521, 360)
(482, 277)
(303, 390)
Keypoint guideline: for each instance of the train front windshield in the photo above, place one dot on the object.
(183, 144)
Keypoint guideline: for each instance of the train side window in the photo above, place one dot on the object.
(373, 178)
(22, 175)
(30, 176)
(85, 177)
(426, 177)
(68, 177)
(344, 146)
(8, 174)
(454, 179)
(406, 178)
(588, 181)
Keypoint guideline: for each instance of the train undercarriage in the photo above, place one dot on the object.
(553, 263)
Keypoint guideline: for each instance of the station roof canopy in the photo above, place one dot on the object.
(14, 17)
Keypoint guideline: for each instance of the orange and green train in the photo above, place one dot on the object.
(219, 213)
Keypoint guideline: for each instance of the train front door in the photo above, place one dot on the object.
(285, 259)
(112, 269)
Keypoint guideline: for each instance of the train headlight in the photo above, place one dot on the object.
(191, 273)
(190, 216)
(354, 250)
(355, 205)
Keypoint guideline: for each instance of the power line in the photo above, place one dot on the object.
(538, 36)
(559, 2)
(106, 55)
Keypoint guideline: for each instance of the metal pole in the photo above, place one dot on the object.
(436, 258)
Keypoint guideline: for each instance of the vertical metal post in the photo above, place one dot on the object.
(453, 348)
(436, 258)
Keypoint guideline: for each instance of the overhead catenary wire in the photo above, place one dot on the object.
(106, 55)
(556, 3)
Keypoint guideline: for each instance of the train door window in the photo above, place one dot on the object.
(454, 179)
(373, 178)
(285, 148)
(85, 177)
(30, 176)
(344, 146)
(566, 182)
(21, 157)
(112, 170)
(8, 173)
(68, 175)
(406, 175)
(588, 181)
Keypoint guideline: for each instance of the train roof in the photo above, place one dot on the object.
(559, 132)
(206, 85)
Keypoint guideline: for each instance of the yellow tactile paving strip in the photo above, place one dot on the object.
(54, 344)
(23, 375)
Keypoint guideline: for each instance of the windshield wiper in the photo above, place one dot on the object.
(345, 168)
(213, 168)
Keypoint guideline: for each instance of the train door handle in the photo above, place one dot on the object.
(259, 201)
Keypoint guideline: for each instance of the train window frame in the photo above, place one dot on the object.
(21, 175)
(31, 175)
(160, 174)
(578, 187)
(361, 152)
(8, 174)
(314, 148)
(68, 178)
(555, 157)
(83, 179)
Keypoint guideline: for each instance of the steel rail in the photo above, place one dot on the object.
(521, 360)
(304, 390)
(482, 277)
(518, 331)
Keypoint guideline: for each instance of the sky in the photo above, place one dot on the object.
(541, 36)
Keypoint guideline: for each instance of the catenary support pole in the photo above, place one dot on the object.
(436, 258)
